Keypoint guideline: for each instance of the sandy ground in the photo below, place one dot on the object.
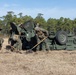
(40, 63)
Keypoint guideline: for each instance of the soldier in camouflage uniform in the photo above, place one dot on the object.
(16, 43)
(41, 34)
(1, 41)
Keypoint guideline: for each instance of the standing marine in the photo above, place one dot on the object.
(42, 36)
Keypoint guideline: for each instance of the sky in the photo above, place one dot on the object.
(49, 8)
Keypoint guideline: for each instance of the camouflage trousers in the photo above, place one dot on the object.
(18, 43)
(43, 45)
(18, 46)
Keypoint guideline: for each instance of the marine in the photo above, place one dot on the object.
(16, 43)
(42, 35)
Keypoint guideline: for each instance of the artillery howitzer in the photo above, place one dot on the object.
(26, 33)
(61, 40)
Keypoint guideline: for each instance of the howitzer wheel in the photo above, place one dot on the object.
(61, 37)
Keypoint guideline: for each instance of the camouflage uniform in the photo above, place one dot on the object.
(1, 42)
(18, 44)
(41, 34)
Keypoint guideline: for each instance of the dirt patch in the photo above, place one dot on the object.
(40, 63)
